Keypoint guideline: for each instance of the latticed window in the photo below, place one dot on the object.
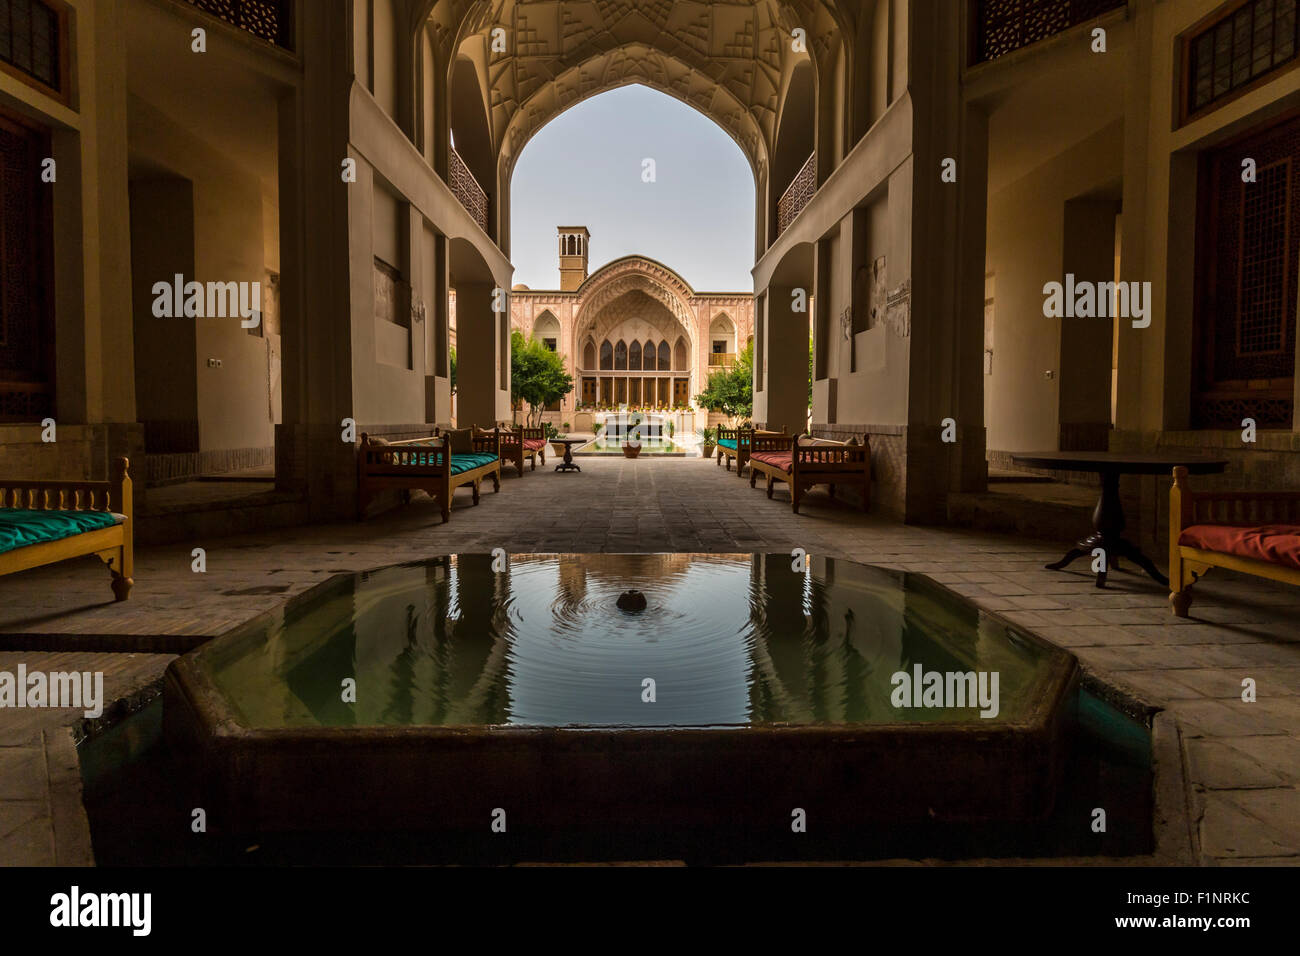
(1000, 26)
(1261, 311)
(1247, 42)
(26, 285)
(268, 19)
(620, 355)
(29, 40)
(1247, 281)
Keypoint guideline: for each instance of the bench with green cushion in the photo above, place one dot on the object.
(45, 521)
(463, 463)
(20, 527)
(427, 464)
(727, 443)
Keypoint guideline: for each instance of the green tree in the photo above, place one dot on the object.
(731, 390)
(537, 376)
(453, 371)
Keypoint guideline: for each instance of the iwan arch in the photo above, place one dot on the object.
(633, 332)
(233, 165)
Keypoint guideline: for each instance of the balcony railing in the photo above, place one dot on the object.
(267, 19)
(1000, 26)
(722, 359)
(797, 195)
(467, 190)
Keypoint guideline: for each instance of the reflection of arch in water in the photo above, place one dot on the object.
(835, 644)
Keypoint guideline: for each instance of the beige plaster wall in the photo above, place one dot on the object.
(233, 400)
(1026, 236)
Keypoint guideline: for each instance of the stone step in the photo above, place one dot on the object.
(1062, 515)
(221, 519)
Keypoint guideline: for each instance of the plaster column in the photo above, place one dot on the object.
(785, 365)
(943, 253)
(477, 367)
(311, 456)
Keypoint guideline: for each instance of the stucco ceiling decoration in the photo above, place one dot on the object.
(726, 58)
(637, 309)
(656, 285)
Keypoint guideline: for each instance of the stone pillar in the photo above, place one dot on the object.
(311, 456)
(945, 248)
(437, 382)
(107, 365)
(477, 368)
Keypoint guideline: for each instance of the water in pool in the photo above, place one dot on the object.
(729, 640)
(605, 444)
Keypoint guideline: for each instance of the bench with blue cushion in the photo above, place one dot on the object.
(42, 522)
(425, 464)
(735, 443)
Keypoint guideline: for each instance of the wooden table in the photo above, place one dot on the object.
(568, 443)
(1108, 516)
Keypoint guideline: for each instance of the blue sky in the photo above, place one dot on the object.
(584, 169)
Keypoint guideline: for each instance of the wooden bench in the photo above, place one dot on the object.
(734, 443)
(423, 464)
(519, 445)
(803, 465)
(1254, 532)
(111, 543)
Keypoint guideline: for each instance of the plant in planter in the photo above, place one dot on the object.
(708, 441)
(632, 444)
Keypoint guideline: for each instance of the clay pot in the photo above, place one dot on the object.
(631, 451)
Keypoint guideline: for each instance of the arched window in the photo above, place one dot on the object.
(679, 358)
(620, 356)
(649, 357)
(546, 329)
(665, 356)
(606, 355)
(634, 358)
(589, 355)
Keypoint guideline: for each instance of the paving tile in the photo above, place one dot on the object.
(1124, 633)
(1216, 765)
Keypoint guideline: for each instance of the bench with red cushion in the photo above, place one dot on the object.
(1276, 544)
(780, 459)
(1250, 532)
(801, 464)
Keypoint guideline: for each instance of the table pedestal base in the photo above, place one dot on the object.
(1112, 550)
(1108, 522)
(568, 463)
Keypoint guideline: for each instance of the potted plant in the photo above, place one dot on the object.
(551, 434)
(708, 441)
(632, 444)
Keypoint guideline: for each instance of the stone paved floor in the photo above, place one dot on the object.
(1242, 759)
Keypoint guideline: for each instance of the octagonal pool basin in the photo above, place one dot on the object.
(731, 687)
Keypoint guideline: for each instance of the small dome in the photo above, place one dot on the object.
(520, 288)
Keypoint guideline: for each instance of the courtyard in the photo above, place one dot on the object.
(1227, 778)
